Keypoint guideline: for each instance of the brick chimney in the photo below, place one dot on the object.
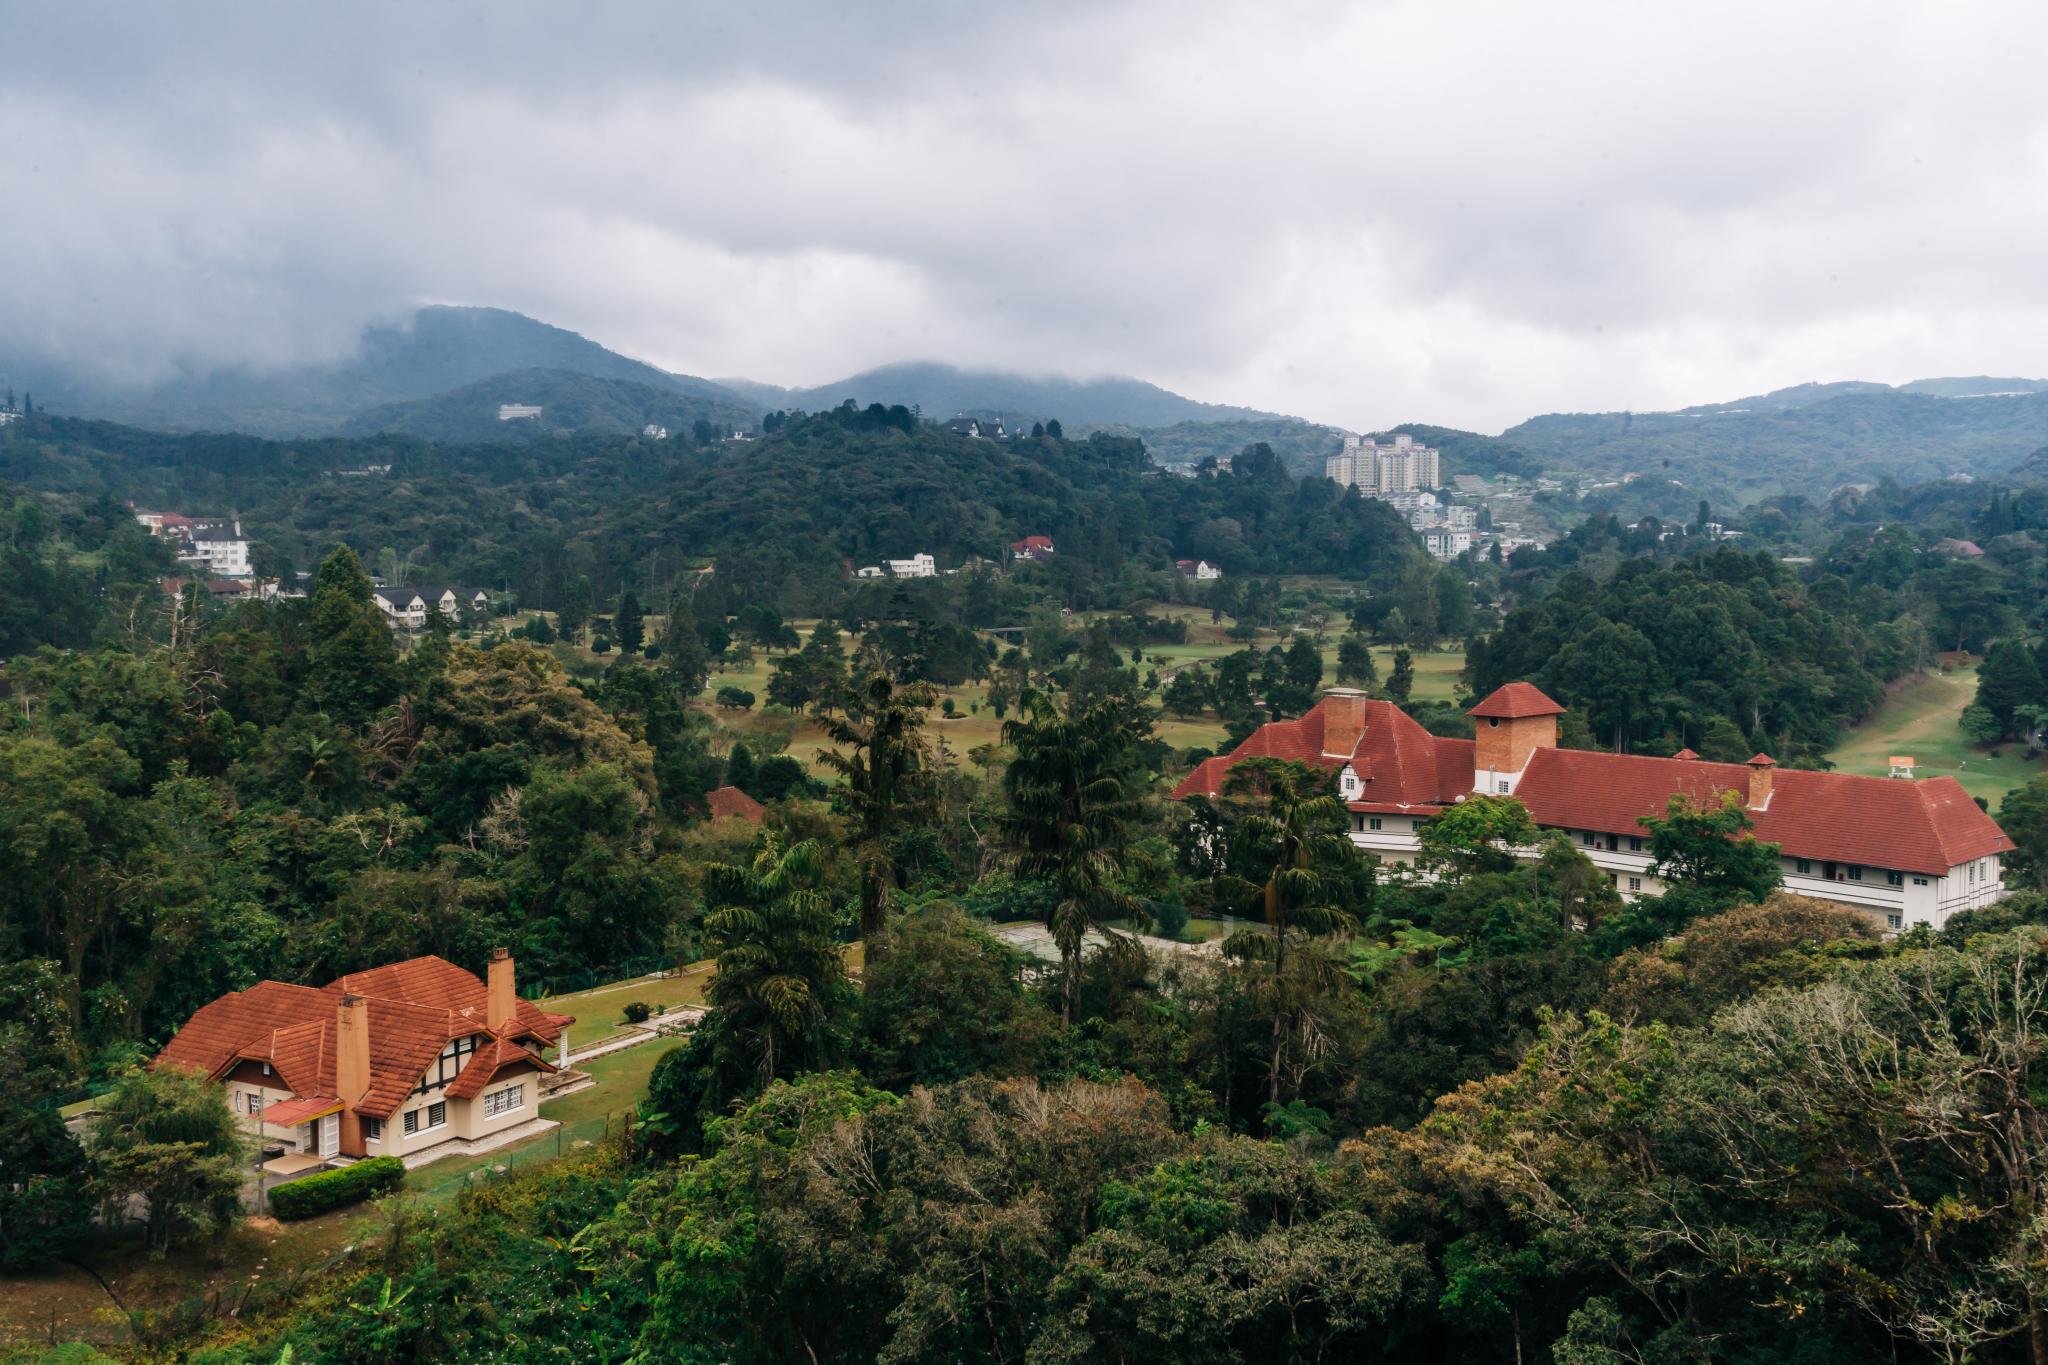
(1511, 724)
(351, 1067)
(500, 999)
(1343, 721)
(1760, 780)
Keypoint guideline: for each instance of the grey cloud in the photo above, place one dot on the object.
(1363, 213)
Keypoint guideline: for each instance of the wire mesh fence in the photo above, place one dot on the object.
(468, 1173)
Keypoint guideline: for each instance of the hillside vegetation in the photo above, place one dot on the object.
(569, 402)
(1734, 454)
(941, 391)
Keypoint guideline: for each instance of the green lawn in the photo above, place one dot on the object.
(1920, 720)
(621, 1081)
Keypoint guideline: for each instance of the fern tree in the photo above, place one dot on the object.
(1070, 818)
(1296, 839)
(779, 968)
(881, 756)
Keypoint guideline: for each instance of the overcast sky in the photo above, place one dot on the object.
(1362, 213)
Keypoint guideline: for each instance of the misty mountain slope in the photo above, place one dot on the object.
(1852, 437)
(569, 401)
(437, 350)
(944, 390)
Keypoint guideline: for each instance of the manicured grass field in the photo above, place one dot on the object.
(621, 1081)
(1920, 719)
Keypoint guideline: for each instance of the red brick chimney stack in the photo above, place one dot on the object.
(1343, 721)
(351, 1067)
(1760, 780)
(501, 1001)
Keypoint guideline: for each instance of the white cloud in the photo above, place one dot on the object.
(1462, 213)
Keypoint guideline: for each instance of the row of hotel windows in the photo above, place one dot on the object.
(435, 1115)
(1613, 842)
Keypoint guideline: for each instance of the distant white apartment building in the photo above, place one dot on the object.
(219, 545)
(1446, 542)
(214, 546)
(1400, 466)
(408, 607)
(917, 566)
(1419, 508)
(513, 412)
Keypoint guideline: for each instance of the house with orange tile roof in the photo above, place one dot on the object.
(1901, 850)
(396, 1061)
(730, 803)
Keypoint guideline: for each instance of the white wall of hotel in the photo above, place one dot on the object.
(1897, 899)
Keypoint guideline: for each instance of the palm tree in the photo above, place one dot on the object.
(882, 759)
(1297, 836)
(778, 965)
(1070, 818)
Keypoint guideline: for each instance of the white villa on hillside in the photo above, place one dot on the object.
(395, 1061)
(408, 607)
(1902, 851)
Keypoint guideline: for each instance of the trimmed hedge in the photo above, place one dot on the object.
(316, 1194)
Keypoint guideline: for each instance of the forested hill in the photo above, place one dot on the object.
(1742, 452)
(434, 351)
(568, 402)
(826, 492)
(944, 390)
(787, 513)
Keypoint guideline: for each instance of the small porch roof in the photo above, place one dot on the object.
(300, 1109)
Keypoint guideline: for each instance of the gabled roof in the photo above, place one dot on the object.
(484, 1066)
(1515, 700)
(731, 801)
(415, 1007)
(1400, 765)
(1927, 826)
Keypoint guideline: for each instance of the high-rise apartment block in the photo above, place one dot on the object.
(1373, 468)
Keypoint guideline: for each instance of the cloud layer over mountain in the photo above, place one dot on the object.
(1461, 213)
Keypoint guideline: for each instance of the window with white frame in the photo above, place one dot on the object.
(1894, 921)
(504, 1101)
(373, 1130)
(1919, 881)
(1503, 786)
(1635, 883)
(437, 1113)
(1803, 866)
(1894, 879)
(412, 1122)
(1855, 873)
(1374, 823)
(256, 1104)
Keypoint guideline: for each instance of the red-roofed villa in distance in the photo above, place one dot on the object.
(415, 1060)
(730, 803)
(1903, 851)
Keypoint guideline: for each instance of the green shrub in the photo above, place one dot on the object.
(637, 1012)
(316, 1194)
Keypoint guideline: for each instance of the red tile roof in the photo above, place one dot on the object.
(285, 1113)
(1400, 765)
(416, 1008)
(731, 801)
(1927, 827)
(1512, 701)
(483, 1068)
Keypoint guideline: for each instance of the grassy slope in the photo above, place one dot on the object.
(1436, 678)
(1920, 719)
